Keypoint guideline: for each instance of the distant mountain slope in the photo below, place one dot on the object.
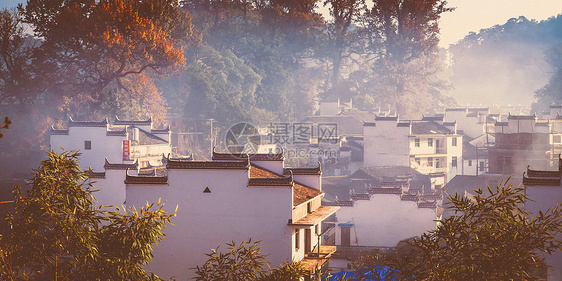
(505, 63)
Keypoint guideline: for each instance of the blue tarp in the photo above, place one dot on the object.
(382, 273)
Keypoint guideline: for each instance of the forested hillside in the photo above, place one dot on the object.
(505, 63)
(224, 61)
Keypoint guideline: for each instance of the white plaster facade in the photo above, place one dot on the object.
(243, 200)
(100, 140)
(471, 120)
(102, 148)
(101, 143)
(544, 190)
(383, 220)
(429, 146)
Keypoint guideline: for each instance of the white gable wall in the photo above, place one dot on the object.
(102, 146)
(384, 220)
(541, 199)
(386, 144)
(232, 211)
(110, 191)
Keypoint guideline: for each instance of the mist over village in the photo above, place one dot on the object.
(279, 140)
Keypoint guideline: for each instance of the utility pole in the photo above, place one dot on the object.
(212, 137)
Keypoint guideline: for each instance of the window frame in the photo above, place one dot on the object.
(297, 239)
(87, 145)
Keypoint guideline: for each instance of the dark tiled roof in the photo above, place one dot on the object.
(429, 127)
(102, 123)
(302, 171)
(463, 184)
(159, 171)
(145, 180)
(541, 181)
(450, 123)
(478, 108)
(385, 190)
(433, 118)
(386, 118)
(117, 131)
(99, 175)
(120, 166)
(146, 138)
(379, 176)
(403, 124)
(161, 131)
(522, 117)
(54, 131)
(425, 204)
(241, 164)
(456, 109)
(253, 157)
(376, 172)
(260, 176)
(133, 122)
(436, 175)
(542, 124)
(270, 181)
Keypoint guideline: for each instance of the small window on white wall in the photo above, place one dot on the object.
(88, 145)
(557, 138)
(454, 142)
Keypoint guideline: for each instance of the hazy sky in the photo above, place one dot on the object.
(473, 15)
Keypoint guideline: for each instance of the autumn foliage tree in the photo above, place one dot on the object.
(89, 46)
(84, 59)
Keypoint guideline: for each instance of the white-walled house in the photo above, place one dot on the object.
(475, 154)
(109, 189)
(429, 145)
(397, 203)
(385, 216)
(234, 197)
(544, 190)
(121, 142)
(472, 121)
